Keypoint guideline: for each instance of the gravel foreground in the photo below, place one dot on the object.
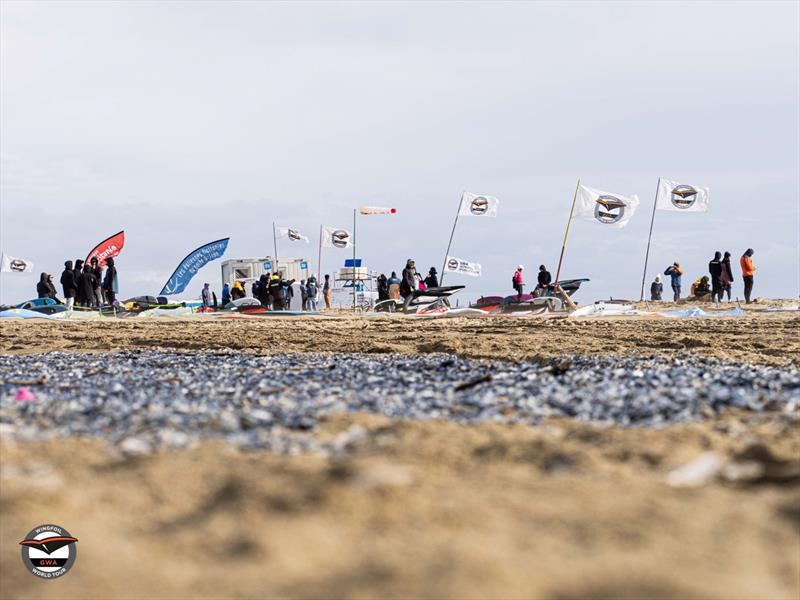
(145, 400)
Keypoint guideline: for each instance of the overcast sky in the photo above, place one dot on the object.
(184, 122)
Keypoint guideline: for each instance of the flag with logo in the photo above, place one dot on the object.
(292, 234)
(333, 237)
(11, 264)
(673, 195)
(108, 248)
(376, 210)
(478, 205)
(462, 267)
(612, 210)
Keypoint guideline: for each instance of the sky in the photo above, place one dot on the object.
(185, 122)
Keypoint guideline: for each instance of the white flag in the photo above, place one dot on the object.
(333, 237)
(614, 210)
(476, 205)
(292, 234)
(15, 265)
(681, 196)
(376, 210)
(463, 267)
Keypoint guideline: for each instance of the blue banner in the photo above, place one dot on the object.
(192, 264)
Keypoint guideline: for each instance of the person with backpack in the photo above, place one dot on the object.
(656, 289)
(727, 276)
(68, 284)
(715, 270)
(517, 283)
(311, 294)
(675, 273)
(110, 283)
(748, 270)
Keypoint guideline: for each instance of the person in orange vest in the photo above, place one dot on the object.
(748, 270)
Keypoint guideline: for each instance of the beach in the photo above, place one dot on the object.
(473, 490)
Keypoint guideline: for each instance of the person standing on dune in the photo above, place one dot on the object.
(748, 270)
(675, 272)
(715, 270)
(727, 276)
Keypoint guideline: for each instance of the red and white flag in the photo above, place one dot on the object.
(376, 210)
(108, 248)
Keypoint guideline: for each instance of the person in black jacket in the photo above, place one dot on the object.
(543, 280)
(383, 287)
(78, 271)
(656, 289)
(408, 284)
(727, 276)
(97, 271)
(45, 287)
(110, 283)
(68, 284)
(715, 270)
(261, 289)
(431, 281)
(86, 285)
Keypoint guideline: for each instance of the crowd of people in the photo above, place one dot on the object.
(88, 285)
(715, 286)
(275, 292)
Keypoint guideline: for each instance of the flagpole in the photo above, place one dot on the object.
(566, 233)
(319, 257)
(354, 260)
(649, 237)
(275, 245)
(450, 243)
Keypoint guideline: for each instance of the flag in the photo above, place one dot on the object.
(476, 205)
(15, 265)
(108, 248)
(292, 234)
(333, 237)
(376, 210)
(681, 196)
(190, 265)
(462, 267)
(614, 210)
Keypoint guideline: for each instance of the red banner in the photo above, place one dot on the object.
(107, 248)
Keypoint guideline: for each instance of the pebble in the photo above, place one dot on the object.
(145, 400)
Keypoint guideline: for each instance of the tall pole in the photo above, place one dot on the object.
(649, 237)
(319, 257)
(566, 233)
(450, 243)
(354, 259)
(275, 245)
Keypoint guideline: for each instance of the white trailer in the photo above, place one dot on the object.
(248, 270)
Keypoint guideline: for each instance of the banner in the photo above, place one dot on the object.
(376, 210)
(614, 210)
(333, 237)
(15, 265)
(476, 205)
(108, 248)
(192, 264)
(462, 267)
(681, 196)
(292, 234)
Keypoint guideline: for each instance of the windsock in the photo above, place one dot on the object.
(376, 210)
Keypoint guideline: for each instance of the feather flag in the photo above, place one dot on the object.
(614, 210)
(108, 248)
(190, 265)
(673, 195)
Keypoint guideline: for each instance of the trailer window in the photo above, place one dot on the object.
(243, 273)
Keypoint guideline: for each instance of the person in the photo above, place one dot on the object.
(205, 296)
(311, 294)
(78, 271)
(261, 289)
(701, 289)
(431, 281)
(68, 284)
(727, 276)
(326, 291)
(45, 287)
(383, 287)
(288, 288)
(226, 294)
(748, 270)
(278, 289)
(86, 285)
(675, 272)
(517, 283)
(544, 279)
(237, 291)
(408, 284)
(715, 270)
(303, 295)
(110, 282)
(656, 289)
(421, 283)
(97, 271)
(394, 286)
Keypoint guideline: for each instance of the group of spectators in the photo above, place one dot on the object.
(86, 284)
(714, 286)
(274, 292)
